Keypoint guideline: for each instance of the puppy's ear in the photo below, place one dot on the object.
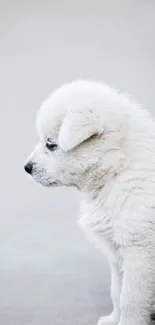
(78, 127)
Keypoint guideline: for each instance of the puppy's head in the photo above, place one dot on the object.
(72, 137)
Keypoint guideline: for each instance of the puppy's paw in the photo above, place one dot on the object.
(109, 320)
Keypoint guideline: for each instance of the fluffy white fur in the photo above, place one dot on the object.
(106, 148)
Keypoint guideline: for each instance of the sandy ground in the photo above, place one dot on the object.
(49, 273)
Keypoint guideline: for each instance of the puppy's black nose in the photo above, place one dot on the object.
(28, 168)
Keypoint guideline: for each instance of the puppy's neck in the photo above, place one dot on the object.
(94, 179)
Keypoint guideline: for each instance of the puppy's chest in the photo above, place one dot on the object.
(99, 218)
(98, 224)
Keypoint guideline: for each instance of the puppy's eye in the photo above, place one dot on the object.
(51, 145)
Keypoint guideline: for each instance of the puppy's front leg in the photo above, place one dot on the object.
(113, 318)
(138, 286)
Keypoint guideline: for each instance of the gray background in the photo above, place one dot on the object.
(49, 274)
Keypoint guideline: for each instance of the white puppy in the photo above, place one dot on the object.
(100, 141)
